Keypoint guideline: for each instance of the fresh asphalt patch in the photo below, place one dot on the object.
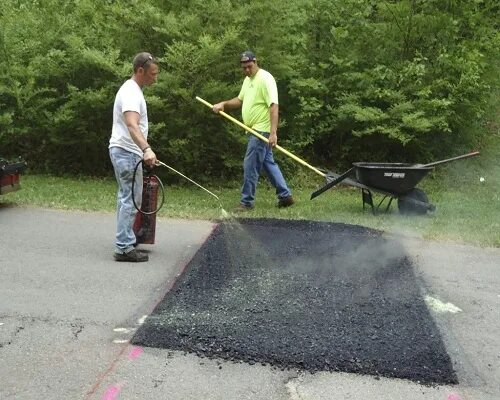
(310, 295)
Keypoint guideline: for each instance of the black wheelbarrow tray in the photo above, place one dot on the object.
(393, 180)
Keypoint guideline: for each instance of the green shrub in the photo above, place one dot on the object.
(358, 80)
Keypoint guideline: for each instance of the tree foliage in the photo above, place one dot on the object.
(359, 80)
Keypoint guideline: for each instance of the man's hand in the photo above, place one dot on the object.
(274, 117)
(228, 104)
(273, 140)
(218, 107)
(150, 157)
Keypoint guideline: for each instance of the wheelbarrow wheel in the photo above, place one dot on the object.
(415, 202)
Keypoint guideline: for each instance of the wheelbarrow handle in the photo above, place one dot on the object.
(332, 183)
(263, 138)
(474, 153)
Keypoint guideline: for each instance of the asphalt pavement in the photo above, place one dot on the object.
(68, 311)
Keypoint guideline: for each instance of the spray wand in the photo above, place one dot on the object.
(158, 162)
(224, 212)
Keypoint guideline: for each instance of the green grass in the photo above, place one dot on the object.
(468, 210)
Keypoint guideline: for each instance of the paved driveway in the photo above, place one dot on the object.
(67, 311)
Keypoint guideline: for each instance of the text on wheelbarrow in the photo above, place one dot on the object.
(396, 175)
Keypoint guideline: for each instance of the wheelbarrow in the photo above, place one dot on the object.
(393, 180)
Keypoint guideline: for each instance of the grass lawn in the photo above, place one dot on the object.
(468, 209)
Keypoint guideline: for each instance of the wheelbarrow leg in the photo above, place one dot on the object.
(367, 197)
(381, 201)
(389, 204)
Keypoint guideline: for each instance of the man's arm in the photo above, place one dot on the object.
(227, 105)
(132, 119)
(274, 116)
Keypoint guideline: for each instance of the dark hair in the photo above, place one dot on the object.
(143, 60)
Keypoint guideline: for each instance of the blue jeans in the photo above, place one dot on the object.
(257, 158)
(124, 163)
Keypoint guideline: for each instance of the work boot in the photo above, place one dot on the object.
(132, 256)
(285, 202)
(242, 208)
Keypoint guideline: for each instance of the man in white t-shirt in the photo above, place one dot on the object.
(127, 147)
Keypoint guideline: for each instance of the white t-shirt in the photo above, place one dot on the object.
(128, 98)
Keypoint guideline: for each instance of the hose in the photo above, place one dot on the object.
(158, 162)
(161, 186)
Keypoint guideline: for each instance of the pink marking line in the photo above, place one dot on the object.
(108, 371)
(453, 396)
(112, 392)
(135, 352)
(115, 361)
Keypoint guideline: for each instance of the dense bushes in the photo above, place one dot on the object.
(358, 79)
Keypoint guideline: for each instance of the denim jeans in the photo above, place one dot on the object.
(257, 158)
(124, 163)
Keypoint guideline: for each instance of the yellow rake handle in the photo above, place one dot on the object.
(255, 133)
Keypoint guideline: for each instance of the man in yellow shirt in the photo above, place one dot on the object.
(258, 99)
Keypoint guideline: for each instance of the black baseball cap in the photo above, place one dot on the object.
(247, 56)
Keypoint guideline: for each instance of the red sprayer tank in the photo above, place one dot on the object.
(145, 223)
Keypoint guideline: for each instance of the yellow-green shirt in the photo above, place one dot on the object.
(257, 94)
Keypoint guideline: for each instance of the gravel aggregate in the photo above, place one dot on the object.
(305, 295)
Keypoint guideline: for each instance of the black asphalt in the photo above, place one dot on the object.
(300, 294)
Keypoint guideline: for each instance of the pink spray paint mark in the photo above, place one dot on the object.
(453, 396)
(135, 352)
(112, 393)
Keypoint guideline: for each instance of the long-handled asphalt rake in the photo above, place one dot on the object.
(328, 175)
